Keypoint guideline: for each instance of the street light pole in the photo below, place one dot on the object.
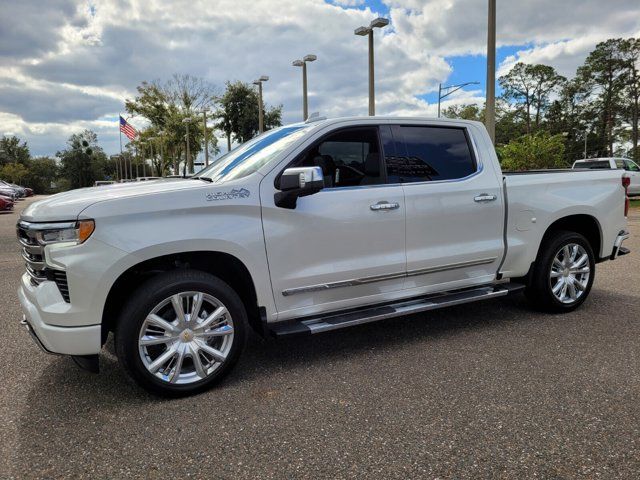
(450, 89)
(303, 63)
(258, 82)
(144, 160)
(206, 138)
(187, 160)
(586, 136)
(151, 148)
(362, 31)
(490, 111)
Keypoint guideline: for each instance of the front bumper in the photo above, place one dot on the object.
(73, 340)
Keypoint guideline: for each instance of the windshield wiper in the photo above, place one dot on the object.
(206, 179)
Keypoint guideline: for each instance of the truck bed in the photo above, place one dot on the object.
(536, 199)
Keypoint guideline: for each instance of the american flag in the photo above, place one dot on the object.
(127, 129)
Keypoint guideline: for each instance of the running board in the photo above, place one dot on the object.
(382, 312)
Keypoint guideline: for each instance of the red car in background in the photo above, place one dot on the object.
(6, 204)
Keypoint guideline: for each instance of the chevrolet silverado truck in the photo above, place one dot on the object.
(307, 228)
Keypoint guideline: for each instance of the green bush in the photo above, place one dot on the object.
(540, 150)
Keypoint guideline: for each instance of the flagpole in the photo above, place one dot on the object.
(119, 159)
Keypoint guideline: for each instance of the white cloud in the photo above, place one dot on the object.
(76, 68)
(349, 3)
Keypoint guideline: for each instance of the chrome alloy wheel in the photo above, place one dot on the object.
(186, 337)
(570, 273)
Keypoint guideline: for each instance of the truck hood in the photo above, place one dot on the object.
(68, 205)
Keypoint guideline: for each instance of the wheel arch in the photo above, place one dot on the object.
(584, 224)
(225, 266)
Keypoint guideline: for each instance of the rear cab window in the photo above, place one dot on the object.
(594, 165)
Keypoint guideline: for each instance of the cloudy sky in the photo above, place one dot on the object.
(66, 65)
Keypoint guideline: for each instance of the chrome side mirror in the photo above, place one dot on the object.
(298, 182)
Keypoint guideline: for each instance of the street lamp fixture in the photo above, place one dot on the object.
(449, 89)
(258, 82)
(303, 63)
(368, 31)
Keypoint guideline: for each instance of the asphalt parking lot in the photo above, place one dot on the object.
(491, 390)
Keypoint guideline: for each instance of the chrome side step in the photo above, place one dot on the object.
(318, 324)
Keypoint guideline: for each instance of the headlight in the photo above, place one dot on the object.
(73, 232)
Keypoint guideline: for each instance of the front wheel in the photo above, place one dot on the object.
(563, 274)
(181, 332)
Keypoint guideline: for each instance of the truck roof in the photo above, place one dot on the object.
(386, 118)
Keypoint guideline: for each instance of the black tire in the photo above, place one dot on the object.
(143, 301)
(539, 290)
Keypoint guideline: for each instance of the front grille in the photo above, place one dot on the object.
(33, 254)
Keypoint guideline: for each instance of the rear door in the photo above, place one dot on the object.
(455, 208)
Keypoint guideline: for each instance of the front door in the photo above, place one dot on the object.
(345, 245)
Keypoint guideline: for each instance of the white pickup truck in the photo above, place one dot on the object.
(306, 228)
(630, 168)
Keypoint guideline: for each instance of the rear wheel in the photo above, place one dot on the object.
(563, 273)
(181, 332)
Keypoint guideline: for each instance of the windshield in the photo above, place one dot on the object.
(252, 155)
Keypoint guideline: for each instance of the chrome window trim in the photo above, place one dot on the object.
(380, 278)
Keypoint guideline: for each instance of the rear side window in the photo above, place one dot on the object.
(631, 166)
(430, 154)
(594, 165)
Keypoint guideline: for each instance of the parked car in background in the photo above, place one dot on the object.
(100, 183)
(29, 191)
(145, 179)
(9, 192)
(21, 192)
(629, 166)
(6, 203)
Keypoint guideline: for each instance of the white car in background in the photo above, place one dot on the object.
(629, 166)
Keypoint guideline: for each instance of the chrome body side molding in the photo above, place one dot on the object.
(381, 278)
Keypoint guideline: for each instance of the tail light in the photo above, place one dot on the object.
(626, 181)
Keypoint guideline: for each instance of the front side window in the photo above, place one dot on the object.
(349, 157)
(430, 154)
(631, 166)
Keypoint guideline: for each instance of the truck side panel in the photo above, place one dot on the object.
(536, 201)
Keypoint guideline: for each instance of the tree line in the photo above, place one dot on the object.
(544, 120)
(174, 109)
(162, 107)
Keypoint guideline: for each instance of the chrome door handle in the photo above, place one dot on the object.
(384, 206)
(484, 197)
